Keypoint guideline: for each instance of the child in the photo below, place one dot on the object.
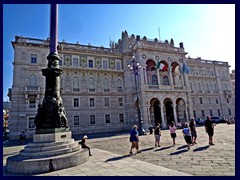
(187, 135)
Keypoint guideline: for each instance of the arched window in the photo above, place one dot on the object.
(154, 80)
(119, 84)
(33, 80)
(199, 86)
(105, 83)
(165, 80)
(207, 87)
(91, 83)
(75, 83)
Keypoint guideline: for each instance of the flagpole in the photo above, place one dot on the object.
(159, 33)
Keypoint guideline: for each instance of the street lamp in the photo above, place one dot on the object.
(134, 65)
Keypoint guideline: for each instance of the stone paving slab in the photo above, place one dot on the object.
(104, 163)
(201, 160)
(111, 156)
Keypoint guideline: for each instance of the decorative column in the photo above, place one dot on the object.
(174, 113)
(170, 76)
(162, 115)
(186, 109)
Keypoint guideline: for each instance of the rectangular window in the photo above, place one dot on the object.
(92, 119)
(227, 100)
(118, 65)
(105, 65)
(33, 58)
(217, 101)
(75, 62)
(210, 112)
(75, 102)
(107, 118)
(194, 113)
(90, 63)
(229, 112)
(120, 101)
(32, 103)
(121, 118)
(219, 112)
(31, 124)
(200, 100)
(106, 102)
(76, 121)
(92, 102)
(202, 111)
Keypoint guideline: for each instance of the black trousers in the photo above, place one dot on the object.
(84, 146)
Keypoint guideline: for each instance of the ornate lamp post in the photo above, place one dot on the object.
(51, 114)
(134, 65)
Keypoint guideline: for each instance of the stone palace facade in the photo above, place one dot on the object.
(99, 90)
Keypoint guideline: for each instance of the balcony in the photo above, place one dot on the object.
(76, 90)
(32, 90)
(91, 90)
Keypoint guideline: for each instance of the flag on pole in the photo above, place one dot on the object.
(163, 67)
(186, 69)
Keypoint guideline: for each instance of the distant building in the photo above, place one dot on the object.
(6, 105)
(98, 87)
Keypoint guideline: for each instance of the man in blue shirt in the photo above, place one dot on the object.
(134, 138)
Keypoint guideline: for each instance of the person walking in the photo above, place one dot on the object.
(157, 135)
(192, 126)
(187, 135)
(173, 134)
(209, 127)
(134, 139)
(83, 144)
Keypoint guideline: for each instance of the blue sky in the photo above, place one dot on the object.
(207, 31)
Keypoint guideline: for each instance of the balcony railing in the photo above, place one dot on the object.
(32, 89)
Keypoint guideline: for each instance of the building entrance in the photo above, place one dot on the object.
(169, 112)
(157, 113)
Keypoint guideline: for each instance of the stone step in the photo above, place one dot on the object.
(45, 148)
(47, 144)
(24, 165)
(49, 153)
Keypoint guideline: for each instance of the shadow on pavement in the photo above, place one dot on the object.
(117, 158)
(163, 148)
(179, 152)
(147, 149)
(181, 147)
(201, 148)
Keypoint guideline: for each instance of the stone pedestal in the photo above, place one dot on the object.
(48, 152)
